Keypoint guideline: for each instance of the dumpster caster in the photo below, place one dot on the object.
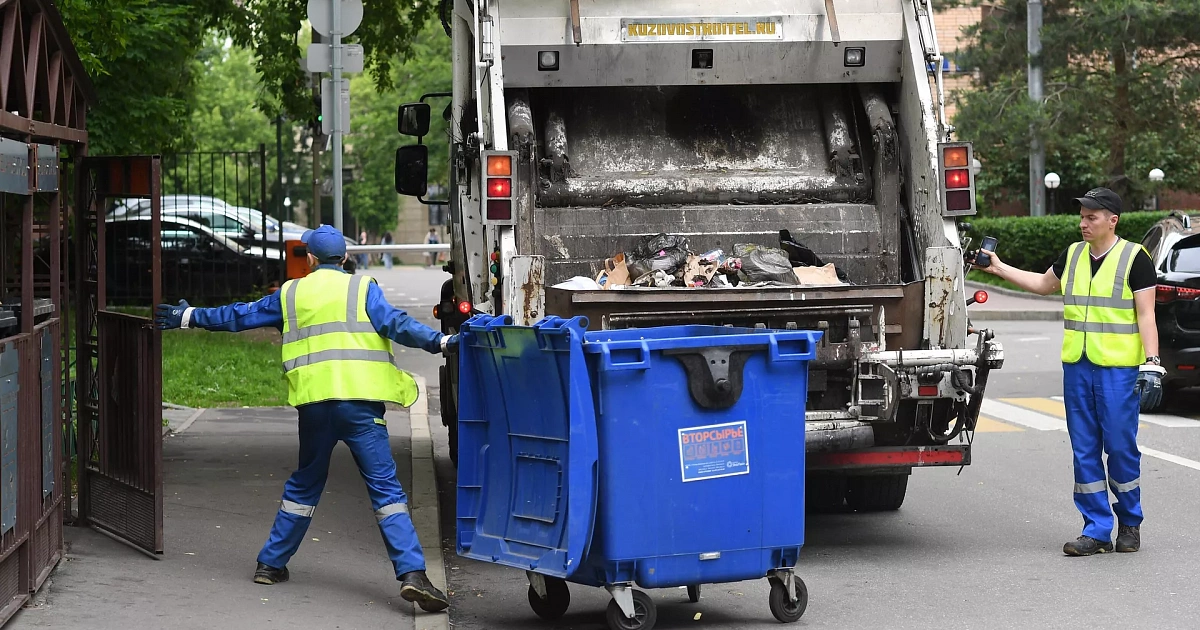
(787, 606)
(549, 597)
(638, 603)
(694, 593)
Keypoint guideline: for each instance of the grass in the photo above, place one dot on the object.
(203, 369)
(983, 277)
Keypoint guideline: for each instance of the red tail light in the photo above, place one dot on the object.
(499, 187)
(980, 297)
(1165, 293)
(927, 390)
(958, 178)
(464, 307)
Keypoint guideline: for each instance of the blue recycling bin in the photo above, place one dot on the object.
(661, 457)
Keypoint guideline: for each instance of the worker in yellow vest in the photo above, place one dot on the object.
(1110, 365)
(338, 331)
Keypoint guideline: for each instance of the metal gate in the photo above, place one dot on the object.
(119, 365)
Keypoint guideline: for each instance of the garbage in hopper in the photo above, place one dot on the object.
(665, 260)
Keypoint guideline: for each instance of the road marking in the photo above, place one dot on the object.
(1044, 405)
(1021, 416)
(1174, 459)
(1028, 339)
(1173, 422)
(1058, 398)
(989, 425)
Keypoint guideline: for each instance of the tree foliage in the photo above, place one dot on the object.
(372, 197)
(141, 54)
(1122, 85)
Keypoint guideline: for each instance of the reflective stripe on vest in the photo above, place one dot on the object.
(331, 350)
(1100, 320)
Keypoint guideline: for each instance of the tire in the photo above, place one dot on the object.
(449, 410)
(785, 610)
(643, 608)
(876, 493)
(558, 599)
(693, 593)
(824, 493)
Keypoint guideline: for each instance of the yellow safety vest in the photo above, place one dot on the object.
(331, 351)
(1098, 312)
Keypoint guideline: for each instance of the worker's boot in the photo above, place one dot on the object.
(270, 575)
(1086, 546)
(416, 587)
(1129, 538)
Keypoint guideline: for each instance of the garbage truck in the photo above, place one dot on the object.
(577, 128)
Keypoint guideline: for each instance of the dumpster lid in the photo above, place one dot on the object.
(527, 466)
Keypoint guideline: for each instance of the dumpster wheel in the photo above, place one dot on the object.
(782, 607)
(557, 601)
(693, 593)
(644, 614)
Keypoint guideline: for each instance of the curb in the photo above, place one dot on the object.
(1016, 316)
(423, 501)
(991, 288)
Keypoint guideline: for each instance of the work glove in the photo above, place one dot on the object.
(449, 344)
(1149, 386)
(167, 317)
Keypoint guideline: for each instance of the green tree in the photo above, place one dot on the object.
(1122, 89)
(373, 140)
(140, 55)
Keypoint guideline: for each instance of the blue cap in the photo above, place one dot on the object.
(326, 243)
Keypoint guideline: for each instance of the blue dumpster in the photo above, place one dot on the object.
(661, 457)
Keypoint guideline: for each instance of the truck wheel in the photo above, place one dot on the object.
(876, 493)
(824, 493)
(449, 411)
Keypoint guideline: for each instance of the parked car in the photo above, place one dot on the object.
(198, 263)
(1174, 245)
(133, 206)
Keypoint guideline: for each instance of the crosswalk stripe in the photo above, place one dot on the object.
(991, 425)
(1173, 422)
(1022, 416)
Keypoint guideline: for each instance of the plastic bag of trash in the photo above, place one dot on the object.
(661, 252)
(802, 256)
(764, 264)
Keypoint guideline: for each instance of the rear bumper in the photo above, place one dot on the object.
(1173, 358)
(890, 459)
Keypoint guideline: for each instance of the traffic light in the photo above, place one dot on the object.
(315, 123)
(498, 186)
(956, 178)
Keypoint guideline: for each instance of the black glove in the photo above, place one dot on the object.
(167, 317)
(1149, 386)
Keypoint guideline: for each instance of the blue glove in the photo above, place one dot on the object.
(1149, 387)
(449, 344)
(167, 317)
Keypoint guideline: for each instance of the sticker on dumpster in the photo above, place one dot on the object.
(718, 450)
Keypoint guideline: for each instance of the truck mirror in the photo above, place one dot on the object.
(412, 169)
(413, 119)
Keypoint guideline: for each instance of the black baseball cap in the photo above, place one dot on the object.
(1101, 199)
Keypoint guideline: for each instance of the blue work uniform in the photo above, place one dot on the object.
(358, 423)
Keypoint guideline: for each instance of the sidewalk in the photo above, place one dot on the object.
(223, 478)
(1005, 305)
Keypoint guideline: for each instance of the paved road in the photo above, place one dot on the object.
(980, 549)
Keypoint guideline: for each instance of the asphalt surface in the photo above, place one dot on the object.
(976, 549)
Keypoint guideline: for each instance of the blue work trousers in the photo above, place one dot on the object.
(1102, 417)
(360, 425)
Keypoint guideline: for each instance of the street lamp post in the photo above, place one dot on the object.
(1156, 177)
(1052, 182)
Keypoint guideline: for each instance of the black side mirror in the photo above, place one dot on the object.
(412, 169)
(413, 119)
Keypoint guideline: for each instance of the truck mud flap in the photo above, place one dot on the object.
(891, 459)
